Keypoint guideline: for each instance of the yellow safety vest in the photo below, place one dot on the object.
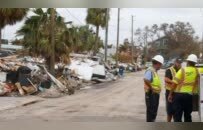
(173, 72)
(188, 80)
(200, 70)
(196, 89)
(156, 82)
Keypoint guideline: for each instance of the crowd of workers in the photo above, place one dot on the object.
(181, 84)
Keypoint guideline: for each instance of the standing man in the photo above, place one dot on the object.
(152, 86)
(121, 70)
(169, 76)
(184, 85)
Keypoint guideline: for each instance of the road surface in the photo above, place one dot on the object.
(122, 100)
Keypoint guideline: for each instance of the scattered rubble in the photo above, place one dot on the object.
(20, 76)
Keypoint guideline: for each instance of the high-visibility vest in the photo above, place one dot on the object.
(196, 89)
(200, 70)
(188, 81)
(173, 72)
(156, 82)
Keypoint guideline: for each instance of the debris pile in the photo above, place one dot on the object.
(29, 76)
(91, 69)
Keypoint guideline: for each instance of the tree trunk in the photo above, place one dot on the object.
(117, 44)
(0, 38)
(96, 41)
(52, 56)
(48, 62)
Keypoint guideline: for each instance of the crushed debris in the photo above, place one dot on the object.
(21, 76)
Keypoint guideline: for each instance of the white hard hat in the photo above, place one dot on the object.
(158, 58)
(192, 58)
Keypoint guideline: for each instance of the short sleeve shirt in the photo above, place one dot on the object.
(168, 74)
(148, 75)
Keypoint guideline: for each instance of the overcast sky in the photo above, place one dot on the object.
(143, 17)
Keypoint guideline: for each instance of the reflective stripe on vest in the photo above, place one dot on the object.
(173, 73)
(184, 86)
(156, 82)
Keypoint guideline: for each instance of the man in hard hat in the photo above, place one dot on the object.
(196, 90)
(184, 85)
(169, 76)
(152, 86)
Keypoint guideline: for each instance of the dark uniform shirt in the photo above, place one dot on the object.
(169, 105)
(168, 74)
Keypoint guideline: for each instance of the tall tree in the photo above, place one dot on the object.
(37, 36)
(181, 38)
(52, 40)
(96, 17)
(125, 47)
(80, 39)
(9, 16)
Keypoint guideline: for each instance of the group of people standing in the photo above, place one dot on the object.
(181, 85)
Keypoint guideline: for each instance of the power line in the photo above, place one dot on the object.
(113, 26)
(73, 16)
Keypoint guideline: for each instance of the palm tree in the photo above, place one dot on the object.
(96, 17)
(80, 39)
(9, 16)
(37, 36)
(87, 38)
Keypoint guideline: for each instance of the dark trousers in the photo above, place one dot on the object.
(182, 104)
(152, 104)
(169, 105)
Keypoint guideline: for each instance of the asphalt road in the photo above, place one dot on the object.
(119, 101)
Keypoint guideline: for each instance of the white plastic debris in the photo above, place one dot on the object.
(2, 76)
(82, 69)
(99, 70)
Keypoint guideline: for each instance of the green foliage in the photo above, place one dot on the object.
(9, 16)
(36, 34)
(181, 39)
(97, 17)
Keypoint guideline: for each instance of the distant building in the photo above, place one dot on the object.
(160, 46)
(4, 41)
(11, 47)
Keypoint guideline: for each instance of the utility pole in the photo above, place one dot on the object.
(52, 56)
(132, 41)
(201, 45)
(118, 24)
(0, 37)
(201, 52)
(106, 38)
